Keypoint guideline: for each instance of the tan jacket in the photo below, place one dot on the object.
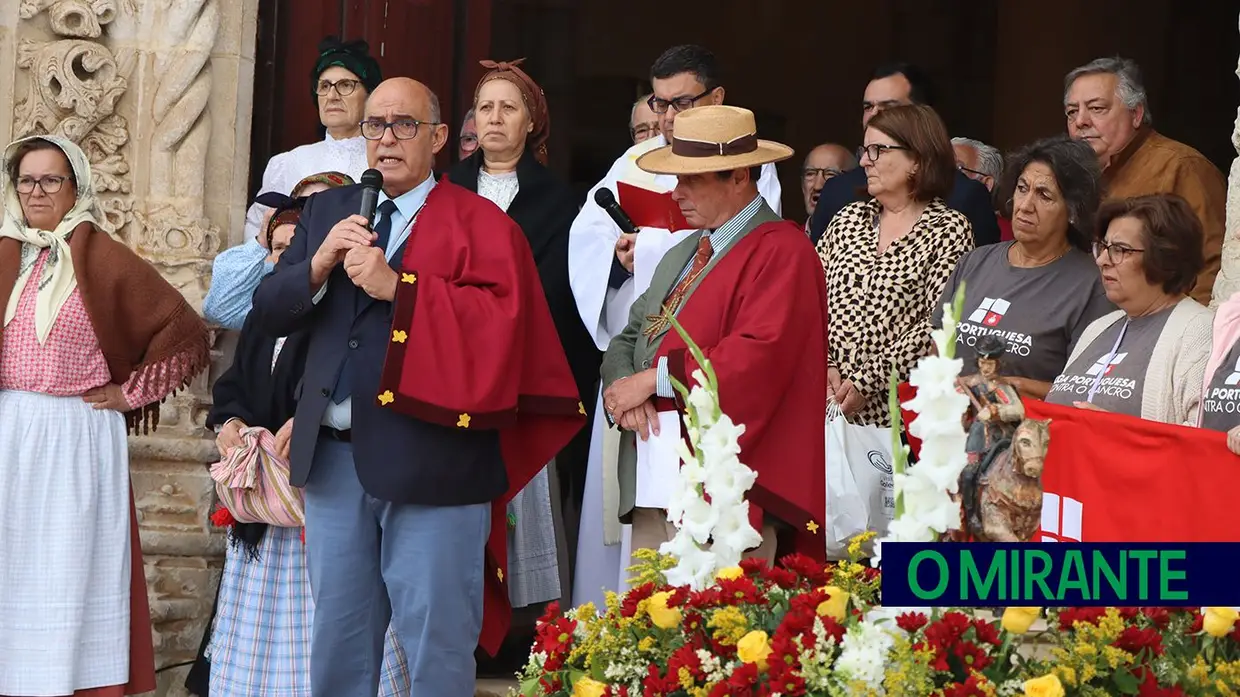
(1155, 164)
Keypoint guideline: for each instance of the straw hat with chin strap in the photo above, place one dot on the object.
(713, 138)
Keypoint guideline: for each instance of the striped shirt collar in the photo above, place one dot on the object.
(726, 233)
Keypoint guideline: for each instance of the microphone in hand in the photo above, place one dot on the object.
(607, 201)
(372, 183)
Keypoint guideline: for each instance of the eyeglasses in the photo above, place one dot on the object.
(973, 173)
(876, 150)
(404, 129)
(469, 142)
(659, 106)
(343, 87)
(642, 131)
(824, 172)
(1116, 253)
(49, 184)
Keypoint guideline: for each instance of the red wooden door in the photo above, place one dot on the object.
(437, 42)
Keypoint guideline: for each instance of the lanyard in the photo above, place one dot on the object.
(1106, 363)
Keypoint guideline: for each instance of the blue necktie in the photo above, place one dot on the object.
(383, 228)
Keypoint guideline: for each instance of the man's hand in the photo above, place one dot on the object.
(626, 246)
(628, 393)
(369, 270)
(1088, 406)
(849, 399)
(833, 383)
(283, 438)
(643, 419)
(229, 436)
(109, 396)
(346, 235)
(1233, 440)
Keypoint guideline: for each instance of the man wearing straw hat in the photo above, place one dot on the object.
(749, 290)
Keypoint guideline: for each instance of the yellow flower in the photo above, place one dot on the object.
(589, 687)
(754, 648)
(1045, 686)
(661, 615)
(729, 624)
(1018, 620)
(730, 573)
(836, 605)
(1219, 621)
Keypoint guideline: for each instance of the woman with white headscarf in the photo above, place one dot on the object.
(93, 339)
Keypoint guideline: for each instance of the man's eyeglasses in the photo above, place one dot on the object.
(1116, 253)
(343, 87)
(811, 173)
(642, 131)
(975, 174)
(469, 142)
(49, 184)
(876, 150)
(660, 106)
(404, 129)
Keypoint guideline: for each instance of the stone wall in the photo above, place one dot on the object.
(158, 93)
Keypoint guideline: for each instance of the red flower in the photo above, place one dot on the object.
(781, 577)
(1198, 622)
(948, 629)
(629, 607)
(753, 566)
(656, 685)
(1159, 616)
(1149, 685)
(969, 688)
(1072, 615)
(706, 598)
(740, 591)
(685, 657)
(1135, 640)
(986, 632)
(834, 629)
(971, 655)
(912, 621)
(555, 637)
(551, 613)
(940, 656)
(223, 518)
(550, 684)
(806, 568)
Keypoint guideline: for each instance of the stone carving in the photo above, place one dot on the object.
(77, 18)
(73, 90)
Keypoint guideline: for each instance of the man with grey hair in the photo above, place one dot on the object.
(978, 161)
(1106, 106)
(468, 141)
(821, 164)
(643, 123)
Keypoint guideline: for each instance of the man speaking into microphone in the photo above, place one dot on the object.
(428, 329)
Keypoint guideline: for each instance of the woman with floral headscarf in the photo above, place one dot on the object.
(93, 339)
(509, 169)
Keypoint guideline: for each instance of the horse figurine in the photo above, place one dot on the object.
(1004, 502)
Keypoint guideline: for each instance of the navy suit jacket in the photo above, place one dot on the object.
(969, 197)
(398, 458)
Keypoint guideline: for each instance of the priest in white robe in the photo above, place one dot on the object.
(607, 272)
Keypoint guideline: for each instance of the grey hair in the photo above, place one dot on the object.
(436, 113)
(641, 100)
(469, 116)
(989, 159)
(1131, 87)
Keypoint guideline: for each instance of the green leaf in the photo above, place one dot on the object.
(897, 449)
(957, 313)
(695, 350)
(1126, 682)
(531, 688)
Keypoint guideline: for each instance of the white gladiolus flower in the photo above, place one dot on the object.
(699, 519)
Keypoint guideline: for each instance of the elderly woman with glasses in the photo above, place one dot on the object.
(343, 76)
(886, 259)
(93, 340)
(1040, 291)
(1148, 358)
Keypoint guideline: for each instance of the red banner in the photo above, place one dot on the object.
(1116, 478)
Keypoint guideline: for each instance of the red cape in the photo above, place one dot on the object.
(470, 322)
(760, 317)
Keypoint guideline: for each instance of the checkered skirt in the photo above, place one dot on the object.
(260, 644)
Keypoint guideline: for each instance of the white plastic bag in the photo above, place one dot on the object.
(860, 488)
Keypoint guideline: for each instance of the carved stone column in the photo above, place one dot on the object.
(158, 93)
(1228, 280)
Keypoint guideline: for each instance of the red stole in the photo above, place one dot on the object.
(760, 317)
(474, 347)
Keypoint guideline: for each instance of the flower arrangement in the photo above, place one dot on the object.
(699, 621)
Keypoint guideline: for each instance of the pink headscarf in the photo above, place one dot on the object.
(531, 94)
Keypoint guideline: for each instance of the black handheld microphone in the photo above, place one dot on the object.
(372, 182)
(607, 201)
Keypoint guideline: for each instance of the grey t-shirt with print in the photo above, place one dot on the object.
(1121, 380)
(1039, 312)
(1220, 406)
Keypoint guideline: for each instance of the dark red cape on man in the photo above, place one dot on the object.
(474, 347)
(760, 318)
